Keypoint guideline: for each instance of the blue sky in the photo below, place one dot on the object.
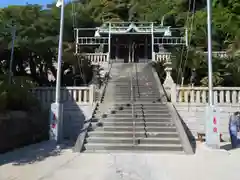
(4, 3)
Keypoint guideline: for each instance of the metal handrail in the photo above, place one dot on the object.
(133, 114)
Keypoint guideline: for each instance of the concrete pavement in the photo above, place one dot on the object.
(44, 162)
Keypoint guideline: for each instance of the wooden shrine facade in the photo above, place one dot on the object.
(128, 41)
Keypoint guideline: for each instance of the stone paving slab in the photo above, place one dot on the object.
(44, 162)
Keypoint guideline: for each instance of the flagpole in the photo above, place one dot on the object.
(58, 107)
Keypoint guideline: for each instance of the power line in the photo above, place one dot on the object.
(190, 37)
(182, 49)
(74, 25)
(13, 29)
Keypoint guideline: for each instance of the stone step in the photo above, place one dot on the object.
(150, 105)
(138, 100)
(120, 116)
(133, 81)
(136, 89)
(136, 110)
(141, 110)
(141, 91)
(115, 140)
(138, 123)
(134, 84)
(125, 114)
(136, 129)
(130, 134)
(140, 86)
(157, 98)
(126, 108)
(139, 113)
(95, 147)
(139, 106)
(138, 119)
(137, 95)
(153, 125)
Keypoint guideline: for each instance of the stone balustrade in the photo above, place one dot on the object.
(78, 95)
(221, 54)
(166, 56)
(191, 104)
(162, 56)
(221, 95)
(97, 58)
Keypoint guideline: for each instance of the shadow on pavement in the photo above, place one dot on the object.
(33, 153)
(227, 147)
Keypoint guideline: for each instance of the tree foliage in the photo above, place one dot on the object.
(37, 35)
(36, 43)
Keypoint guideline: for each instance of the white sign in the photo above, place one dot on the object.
(212, 127)
(56, 121)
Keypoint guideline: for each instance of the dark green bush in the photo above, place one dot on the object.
(19, 98)
(16, 96)
(31, 128)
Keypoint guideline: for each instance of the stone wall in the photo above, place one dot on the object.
(18, 128)
(191, 103)
(193, 114)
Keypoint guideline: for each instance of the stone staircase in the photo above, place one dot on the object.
(133, 116)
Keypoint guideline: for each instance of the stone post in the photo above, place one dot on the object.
(168, 83)
(129, 53)
(153, 57)
(173, 95)
(117, 49)
(92, 92)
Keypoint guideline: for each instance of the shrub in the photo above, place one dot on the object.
(3, 100)
(30, 126)
(16, 96)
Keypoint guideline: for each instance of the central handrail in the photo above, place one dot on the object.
(132, 104)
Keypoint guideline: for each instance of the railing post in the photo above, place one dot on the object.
(92, 94)
(152, 37)
(173, 94)
(133, 109)
(109, 40)
(77, 42)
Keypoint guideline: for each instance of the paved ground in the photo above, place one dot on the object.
(43, 162)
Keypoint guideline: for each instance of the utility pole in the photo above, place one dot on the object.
(56, 113)
(59, 60)
(209, 27)
(13, 32)
(212, 131)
